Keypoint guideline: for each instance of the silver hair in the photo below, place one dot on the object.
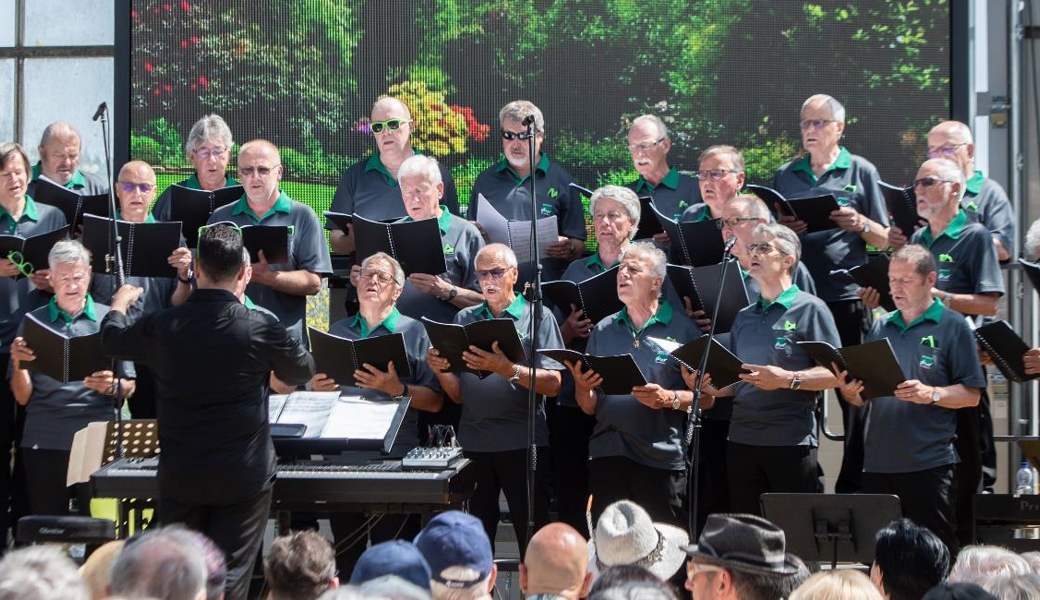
(68, 252)
(735, 156)
(518, 110)
(510, 256)
(756, 207)
(211, 128)
(58, 129)
(786, 241)
(166, 564)
(623, 196)
(1013, 587)
(657, 258)
(836, 109)
(40, 573)
(662, 129)
(344, 592)
(418, 164)
(477, 590)
(390, 260)
(950, 171)
(1032, 241)
(977, 563)
(1033, 558)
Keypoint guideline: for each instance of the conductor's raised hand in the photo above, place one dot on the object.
(494, 361)
(180, 259)
(125, 297)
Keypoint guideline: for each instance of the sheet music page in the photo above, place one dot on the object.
(309, 408)
(520, 235)
(496, 226)
(275, 402)
(353, 417)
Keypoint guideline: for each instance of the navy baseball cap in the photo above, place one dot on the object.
(455, 539)
(396, 557)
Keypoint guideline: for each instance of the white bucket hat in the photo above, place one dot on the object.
(625, 535)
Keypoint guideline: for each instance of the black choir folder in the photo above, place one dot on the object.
(620, 373)
(648, 226)
(698, 243)
(273, 240)
(35, 248)
(1006, 348)
(146, 246)
(723, 366)
(701, 285)
(451, 340)
(415, 244)
(902, 207)
(814, 211)
(73, 205)
(873, 273)
(339, 357)
(194, 207)
(61, 357)
(873, 363)
(596, 296)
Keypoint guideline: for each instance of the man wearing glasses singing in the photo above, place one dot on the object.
(209, 150)
(283, 288)
(370, 187)
(59, 161)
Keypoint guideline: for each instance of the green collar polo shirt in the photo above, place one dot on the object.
(672, 196)
(161, 209)
(81, 183)
(965, 257)
(989, 205)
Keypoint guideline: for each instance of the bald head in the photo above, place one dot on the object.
(952, 140)
(59, 152)
(138, 169)
(60, 131)
(953, 131)
(260, 148)
(389, 107)
(135, 190)
(556, 563)
(260, 170)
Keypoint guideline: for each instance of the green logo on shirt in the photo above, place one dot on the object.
(552, 193)
(850, 187)
(790, 326)
(546, 208)
(781, 343)
(926, 362)
(844, 201)
(928, 340)
(683, 204)
(944, 274)
(661, 358)
(449, 249)
(971, 206)
(945, 258)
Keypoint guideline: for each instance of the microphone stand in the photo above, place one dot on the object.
(536, 317)
(692, 436)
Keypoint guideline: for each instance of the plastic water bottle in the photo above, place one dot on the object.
(1024, 480)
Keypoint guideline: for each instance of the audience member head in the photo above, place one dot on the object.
(396, 557)
(165, 564)
(40, 573)
(392, 587)
(219, 258)
(908, 560)
(1033, 558)
(653, 589)
(625, 535)
(620, 575)
(216, 565)
(949, 590)
(556, 563)
(97, 570)
(976, 563)
(59, 152)
(300, 566)
(1013, 587)
(841, 584)
(460, 556)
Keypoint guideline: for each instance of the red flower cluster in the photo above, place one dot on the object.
(476, 130)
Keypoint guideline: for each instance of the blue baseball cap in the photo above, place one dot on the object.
(455, 539)
(396, 557)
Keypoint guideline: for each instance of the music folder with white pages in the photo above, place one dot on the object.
(330, 422)
(516, 234)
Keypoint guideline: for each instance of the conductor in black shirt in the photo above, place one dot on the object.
(211, 357)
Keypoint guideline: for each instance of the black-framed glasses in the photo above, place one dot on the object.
(927, 182)
(715, 174)
(261, 171)
(510, 135)
(25, 268)
(391, 124)
(734, 221)
(130, 187)
(496, 273)
(378, 276)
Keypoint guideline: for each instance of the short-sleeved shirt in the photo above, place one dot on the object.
(988, 203)
(416, 346)
(624, 426)
(368, 189)
(161, 209)
(965, 257)
(460, 243)
(494, 411)
(938, 349)
(510, 194)
(307, 251)
(55, 412)
(767, 333)
(854, 182)
(672, 196)
(18, 296)
(81, 183)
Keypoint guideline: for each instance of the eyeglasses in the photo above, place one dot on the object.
(496, 273)
(734, 221)
(764, 248)
(130, 187)
(693, 568)
(945, 151)
(260, 171)
(814, 123)
(634, 148)
(214, 153)
(510, 136)
(378, 276)
(391, 124)
(24, 267)
(715, 174)
(928, 182)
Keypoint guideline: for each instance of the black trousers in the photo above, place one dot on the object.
(757, 470)
(238, 529)
(659, 491)
(14, 501)
(46, 474)
(968, 472)
(713, 490)
(506, 472)
(927, 498)
(569, 432)
(851, 318)
(353, 532)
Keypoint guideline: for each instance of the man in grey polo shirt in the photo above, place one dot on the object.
(493, 429)
(282, 289)
(209, 150)
(506, 188)
(909, 436)
(636, 450)
(59, 161)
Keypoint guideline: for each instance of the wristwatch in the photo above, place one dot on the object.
(516, 375)
(404, 392)
(866, 226)
(676, 403)
(935, 395)
(451, 295)
(796, 381)
(185, 281)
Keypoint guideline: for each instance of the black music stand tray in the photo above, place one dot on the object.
(140, 440)
(831, 527)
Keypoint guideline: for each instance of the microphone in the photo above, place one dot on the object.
(527, 120)
(100, 111)
(729, 245)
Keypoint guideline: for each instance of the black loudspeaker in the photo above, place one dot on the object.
(39, 529)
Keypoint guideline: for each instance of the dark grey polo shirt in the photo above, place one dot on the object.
(990, 206)
(768, 334)
(672, 196)
(18, 296)
(965, 256)
(624, 426)
(511, 196)
(307, 251)
(55, 412)
(369, 190)
(460, 242)
(416, 346)
(854, 183)
(494, 411)
(81, 183)
(161, 209)
(938, 349)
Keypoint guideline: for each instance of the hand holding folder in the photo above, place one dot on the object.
(72, 204)
(60, 357)
(1006, 349)
(814, 211)
(701, 285)
(596, 297)
(146, 247)
(194, 207)
(874, 364)
(619, 373)
(451, 341)
(416, 245)
(338, 357)
(698, 243)
(723, 366)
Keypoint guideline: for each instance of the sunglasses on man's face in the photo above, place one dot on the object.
(510, 136)
(130, 187)
(497, 273)
(391, 124)
(927, 182)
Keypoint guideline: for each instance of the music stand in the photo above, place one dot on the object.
(829, 527)
(295, 445)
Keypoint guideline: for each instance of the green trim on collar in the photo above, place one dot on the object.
(786, 298)
(443, 221)
(595, 260)
(77, 181)
(844, 161)
(53, 311)
(704, 214)
(390, 323)
(29, 212)
(974, 185)
(543, 166)
(670, 181)
(374, 164)
(194, 183)
(282, 205)
(149, 218)
(662, 316)
(248, 302)
(933, 313)
(952, 231)
(515, 308)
